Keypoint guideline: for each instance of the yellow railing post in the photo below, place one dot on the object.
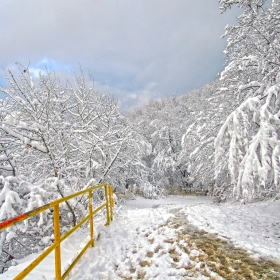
(56, 225)
(91, 218)
(111, 202)
(107, 204)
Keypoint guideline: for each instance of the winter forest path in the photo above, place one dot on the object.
(155, 240)
(178, 238)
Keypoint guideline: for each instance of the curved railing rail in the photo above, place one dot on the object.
(109, 203)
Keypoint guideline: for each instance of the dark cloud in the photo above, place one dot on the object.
(135, 50)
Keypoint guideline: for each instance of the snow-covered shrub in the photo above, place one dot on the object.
(18, 196)
(152, 191)
(10, 201)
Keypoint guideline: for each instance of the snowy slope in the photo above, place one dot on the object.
(150, 239)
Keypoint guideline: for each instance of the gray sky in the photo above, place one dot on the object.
(134, 49)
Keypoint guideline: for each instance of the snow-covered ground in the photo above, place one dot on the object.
(255, 227)
(144, 242)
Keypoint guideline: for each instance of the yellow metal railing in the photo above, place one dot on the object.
(109, 203)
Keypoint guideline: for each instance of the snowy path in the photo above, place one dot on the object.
(139, 245)
(156, 239)
(143, 244)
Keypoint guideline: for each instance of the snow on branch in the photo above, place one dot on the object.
(25, 140)
(8, 198)
(247, 148)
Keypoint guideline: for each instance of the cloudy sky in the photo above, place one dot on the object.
(134, 49)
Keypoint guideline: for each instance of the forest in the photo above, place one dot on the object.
(222, 140)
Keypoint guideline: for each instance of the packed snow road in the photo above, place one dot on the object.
(176, 238)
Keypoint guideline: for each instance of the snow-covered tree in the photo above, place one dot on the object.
(206, 110)
(7, 144)
(161, 125)
(55, 138)
(246, 147)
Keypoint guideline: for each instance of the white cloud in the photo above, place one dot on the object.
(126, 45)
